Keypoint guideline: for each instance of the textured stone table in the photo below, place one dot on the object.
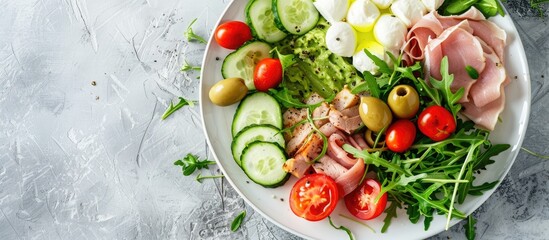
(84, 154)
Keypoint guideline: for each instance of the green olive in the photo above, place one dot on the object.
(228, 91)
(371, 139)
(404, 101)
(375, 114)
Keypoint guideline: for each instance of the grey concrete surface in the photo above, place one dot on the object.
(84, 154)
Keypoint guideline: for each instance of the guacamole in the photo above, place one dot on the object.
(317, 69)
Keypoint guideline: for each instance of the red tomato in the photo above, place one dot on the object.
(314, 197)
(232, 34)
(267, 74)
(400, 135)
(361, 202)
(436, 122)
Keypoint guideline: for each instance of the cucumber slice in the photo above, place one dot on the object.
(241, 63)
(295, 16)
(265, 133)
(260, 18)
(257, 108)
(263, 161)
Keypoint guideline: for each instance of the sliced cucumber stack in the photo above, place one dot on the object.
(295, 16)
(262, 162)
(260, 18)
(265, 133)
(257, 108)
(241, 63)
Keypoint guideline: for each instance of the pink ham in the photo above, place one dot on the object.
(347, 179)
(487, 116)
(419, 35)
(486, 88)
(494, 36)
(336, 152)
(329, 166)
(462, 49)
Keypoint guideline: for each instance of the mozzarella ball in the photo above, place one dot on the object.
(332, 10)
(341, 39)
(362, 15)
(408, 11)
(382, 4)
(390, 32)
(432, 5)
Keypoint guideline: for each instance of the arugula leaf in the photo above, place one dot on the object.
(172, 108)
(190, 35)
(349, 233)
(472, 72)
(470, 227)
(478, 190)
(484, 159)
(284, 97)
(391, 213)
(443, 85)
(286, 60)
(383, 66)
(190, 163)
(372, 84)
(237, 222)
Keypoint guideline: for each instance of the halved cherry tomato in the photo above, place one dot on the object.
(232, 34)
(361, 202)
(436, 122)
(314, 197)
(267, 74)
(400, 135)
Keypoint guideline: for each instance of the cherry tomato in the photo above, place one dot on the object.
(267, 74)
(314, 197)
(436, 122)
(232, 34)
(361, 202)
(400, 135)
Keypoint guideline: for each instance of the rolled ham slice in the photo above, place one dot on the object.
(462, 49)
(487, 88)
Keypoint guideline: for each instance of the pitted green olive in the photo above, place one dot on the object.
(228, 91)
(371, 139)
(403, 101)
(375, 114)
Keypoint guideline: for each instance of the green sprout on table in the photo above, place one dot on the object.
(187, 67)
(172, 108)
(190, 35)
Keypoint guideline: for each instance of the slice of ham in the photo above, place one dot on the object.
(336, 152)
(492, 35)
(462, 49)
(346, 179)
(487, 116)
(486, 88)
(329, 166)
(425, 29)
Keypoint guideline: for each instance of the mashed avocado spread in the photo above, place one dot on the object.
(317, 69)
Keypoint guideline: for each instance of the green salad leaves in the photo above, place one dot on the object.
(431, 177)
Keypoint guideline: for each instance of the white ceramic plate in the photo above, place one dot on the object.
(273, 203)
